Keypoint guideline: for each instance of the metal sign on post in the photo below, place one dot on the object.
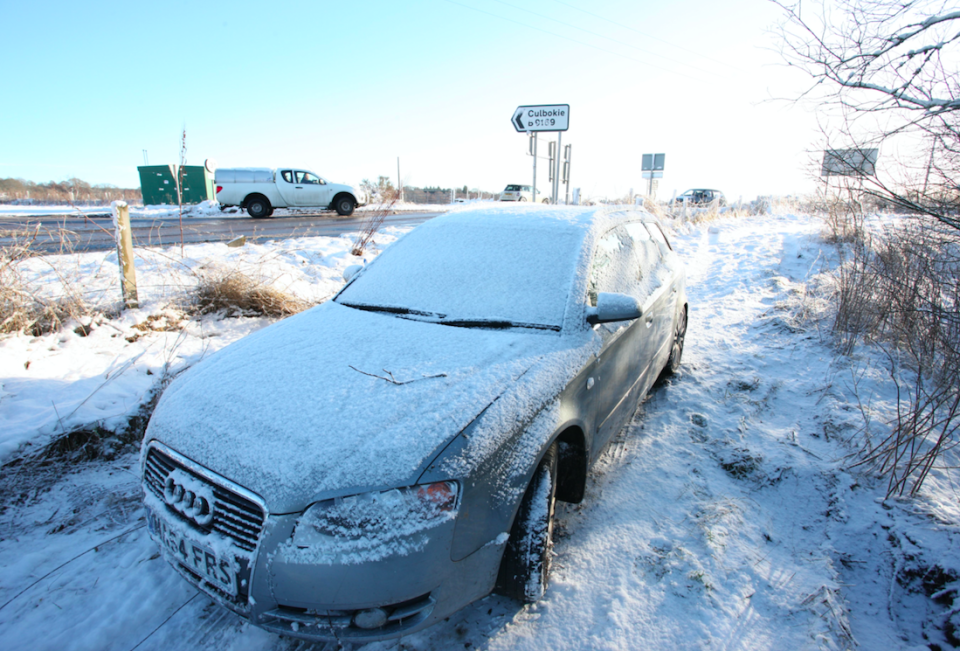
(850, 162)
(532, 119)
(545, 117)
(652, 167)
(653, 162)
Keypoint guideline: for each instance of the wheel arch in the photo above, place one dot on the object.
(571, 464)
(340, 194)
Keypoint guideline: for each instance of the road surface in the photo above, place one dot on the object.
(53, 233)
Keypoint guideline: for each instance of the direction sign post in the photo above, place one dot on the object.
(544, 117)
(652, 167)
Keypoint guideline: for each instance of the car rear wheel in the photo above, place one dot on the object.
(522, 199)
(525, 568)
(676, 352)
(259, 207)
(344, 206)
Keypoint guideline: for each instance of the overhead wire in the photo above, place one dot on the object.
(573, 40)
(609, 38)
(656, 38)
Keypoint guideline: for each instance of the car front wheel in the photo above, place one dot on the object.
(344, 206)
(525, 568)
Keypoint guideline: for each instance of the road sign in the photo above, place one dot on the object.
(652, 162)
(653, 175)
(547, 117)
(850, 162)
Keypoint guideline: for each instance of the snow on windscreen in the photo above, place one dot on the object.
(515, 271)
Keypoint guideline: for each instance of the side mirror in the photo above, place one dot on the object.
(351, 271)
(614, 307)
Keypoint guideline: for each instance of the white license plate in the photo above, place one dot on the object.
(196, 557)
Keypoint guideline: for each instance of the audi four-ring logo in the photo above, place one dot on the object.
(189, 497)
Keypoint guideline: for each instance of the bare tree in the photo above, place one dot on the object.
(885, 72)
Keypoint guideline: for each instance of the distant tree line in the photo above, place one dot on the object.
(72, 190)
(383, 191)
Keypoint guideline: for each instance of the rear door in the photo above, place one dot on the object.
(664, 307)
(285, 186)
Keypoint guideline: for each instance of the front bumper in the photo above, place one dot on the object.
(323, 602)
(279, 590)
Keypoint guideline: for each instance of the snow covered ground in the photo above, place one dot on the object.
(723, 517)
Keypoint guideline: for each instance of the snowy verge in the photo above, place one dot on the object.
(98, 373)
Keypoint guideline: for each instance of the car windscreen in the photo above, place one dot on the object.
(471, 273)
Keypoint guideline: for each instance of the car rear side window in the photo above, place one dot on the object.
(287, 176)
(657, 234)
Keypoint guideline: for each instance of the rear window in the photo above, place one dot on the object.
(512, 188)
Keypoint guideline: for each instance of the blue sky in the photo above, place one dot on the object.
(344, 88)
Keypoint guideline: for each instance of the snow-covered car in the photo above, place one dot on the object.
(514, 192)
(364, 469)
(260, 190)
(700, 196)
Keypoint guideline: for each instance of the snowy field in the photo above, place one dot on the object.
(722, 517)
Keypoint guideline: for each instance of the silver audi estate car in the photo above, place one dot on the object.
(366, 468)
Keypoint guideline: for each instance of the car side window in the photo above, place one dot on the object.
(312, 179)
(287, 176)
(646, 252)
(610, 268)
(658, 235)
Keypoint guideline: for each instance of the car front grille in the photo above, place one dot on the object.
(235, 517)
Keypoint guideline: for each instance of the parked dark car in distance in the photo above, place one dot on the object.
(700, 196)
(364, 469)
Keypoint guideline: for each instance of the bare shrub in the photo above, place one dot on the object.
(21, 308)
(234, 292)
(900, 290)
(374, 220)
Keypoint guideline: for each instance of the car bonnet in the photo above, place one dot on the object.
(336, 399)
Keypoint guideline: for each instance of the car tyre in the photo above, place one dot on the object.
(676, 351)
(259, 207)
(525, 567)
(344, 206)
(522, 199)
(545, 201)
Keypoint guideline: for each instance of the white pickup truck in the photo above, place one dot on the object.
(260, 190)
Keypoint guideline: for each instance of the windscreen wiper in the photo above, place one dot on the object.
(496, 324)
(389, 309)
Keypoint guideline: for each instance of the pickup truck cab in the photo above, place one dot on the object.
(260, 190)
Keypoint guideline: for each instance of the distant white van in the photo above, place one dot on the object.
(515, 192)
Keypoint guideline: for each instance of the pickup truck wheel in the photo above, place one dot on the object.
(344, 206)
(525, 567)
(258, 207)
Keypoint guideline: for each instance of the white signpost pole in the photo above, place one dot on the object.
(533, 137)
(556, 173)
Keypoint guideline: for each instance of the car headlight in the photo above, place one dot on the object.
(373, 525)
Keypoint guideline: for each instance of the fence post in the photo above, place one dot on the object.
(128, 273)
